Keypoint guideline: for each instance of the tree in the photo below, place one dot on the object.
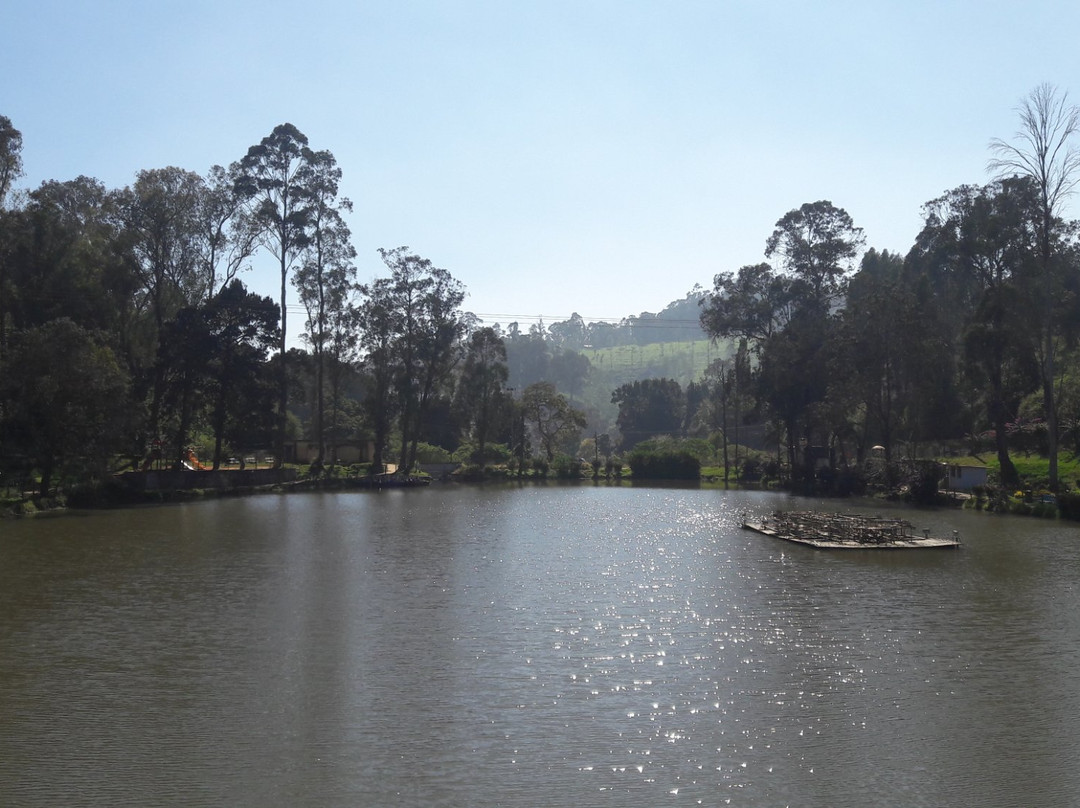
(715, 404)
(230, 228)
(376, 324)
(163, 232)
(242, 328)
(793, 376)
(1043, 150)
(817, 244)
(10, 157)
(185, 346)
(988, 238)
(789, 318)
(427, 325)
(528, 356)
(569, 370)
(877, 322)
(66, 397)
(480, 389)
(570, 333)
(343, 353)
(272, 174)
(649, 408)
(752, 304)
(62, 261)
(551, 415)
(326, 276)
(161, 219)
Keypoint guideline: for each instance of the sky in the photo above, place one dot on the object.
(564, 156)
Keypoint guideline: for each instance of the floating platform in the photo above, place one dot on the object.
(839, 531)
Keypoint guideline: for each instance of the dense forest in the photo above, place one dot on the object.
(128, 338)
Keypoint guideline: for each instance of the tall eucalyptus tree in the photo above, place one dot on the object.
(272, 174)
(480, 391)
(326, 275)
(376, 323)
(10, 157)
(10, 170)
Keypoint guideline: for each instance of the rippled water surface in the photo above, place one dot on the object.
(555, 646)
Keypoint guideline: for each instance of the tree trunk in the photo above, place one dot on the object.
(283, 380)
(46, 480)
(1009, 476)
(219, 426)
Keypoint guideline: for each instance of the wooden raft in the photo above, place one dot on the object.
(846, 531)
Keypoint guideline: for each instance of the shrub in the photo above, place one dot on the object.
(493, 453)
(1069, 505)
(678, 465)
(471, 472)
(427, 453)
(923, 485)
(567, 468)
(1044, 510)
(848, 481)
(698, 447)
(1022, 508)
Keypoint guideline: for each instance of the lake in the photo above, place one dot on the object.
(538, 646)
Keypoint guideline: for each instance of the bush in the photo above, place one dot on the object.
(1069, 506)
(677, 465)
(567, 468)
(470, 472)
(493, 453)
(698, 447)
(1044, 510)
(922, 484)
(427, 453)
(1022, 508)
(751, 470)
(848, 481)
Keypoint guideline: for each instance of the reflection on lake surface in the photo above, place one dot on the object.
(545, 646)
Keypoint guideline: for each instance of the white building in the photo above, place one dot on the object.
(963, 478)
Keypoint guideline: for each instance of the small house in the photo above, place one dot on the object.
(963, 478)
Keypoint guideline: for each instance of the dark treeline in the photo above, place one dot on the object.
(128, 339)
(972, 333)
(677, 322)
(127, 336)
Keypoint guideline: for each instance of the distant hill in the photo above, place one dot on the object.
(669, 344)
(678, 321)
(612, 367)
(683, 361)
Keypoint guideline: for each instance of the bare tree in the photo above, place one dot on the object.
(1042, 150)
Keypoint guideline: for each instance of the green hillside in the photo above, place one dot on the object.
(683, 361)
(611, 367)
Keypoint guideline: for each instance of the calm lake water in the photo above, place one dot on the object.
(545, 646)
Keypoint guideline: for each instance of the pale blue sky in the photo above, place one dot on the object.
(598, 157)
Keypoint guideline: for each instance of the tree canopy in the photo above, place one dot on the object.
(824, 348)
